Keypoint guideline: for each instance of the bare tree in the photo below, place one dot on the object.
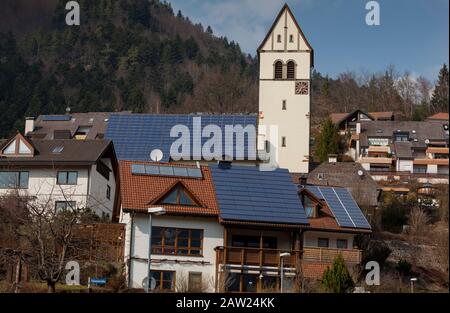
(41, 236)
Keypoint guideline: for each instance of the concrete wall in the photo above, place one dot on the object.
(98, 200)
(137, 241)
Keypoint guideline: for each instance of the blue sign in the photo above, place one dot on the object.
(98, 281)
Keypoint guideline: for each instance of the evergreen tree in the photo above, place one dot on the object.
(328, 141)
(337, 279)
(440, 94)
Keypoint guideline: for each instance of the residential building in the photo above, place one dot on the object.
(350, 175)
(391, 149)
(334, 220)
(346, 122)
(64, 173)
(80, 126)
(226, 228)
(285, 62)
(443, 117)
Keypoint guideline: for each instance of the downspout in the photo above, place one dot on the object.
(88, 186)
(131, 249)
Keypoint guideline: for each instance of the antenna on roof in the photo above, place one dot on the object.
(156, 155)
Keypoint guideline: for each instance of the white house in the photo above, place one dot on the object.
(63, 173)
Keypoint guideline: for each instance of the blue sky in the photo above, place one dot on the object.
(413, 34)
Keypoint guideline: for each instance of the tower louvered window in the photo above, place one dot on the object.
(279, 70)
(291, 70)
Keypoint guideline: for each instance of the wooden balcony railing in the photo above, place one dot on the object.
(329, 254)
(256, 257)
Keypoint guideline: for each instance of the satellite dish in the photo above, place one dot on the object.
(360, 173)
(156, 155)
(152, 283)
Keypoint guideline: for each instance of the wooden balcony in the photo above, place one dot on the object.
(329, 254)
(256, 257)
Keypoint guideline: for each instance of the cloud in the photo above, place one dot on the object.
(244, 21)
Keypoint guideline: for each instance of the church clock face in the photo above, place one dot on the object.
(302, 88)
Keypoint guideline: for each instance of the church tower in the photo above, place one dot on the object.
(285, 62)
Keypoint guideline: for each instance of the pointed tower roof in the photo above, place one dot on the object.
(283, 10)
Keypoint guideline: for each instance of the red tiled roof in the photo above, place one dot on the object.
(438, 116)
(139, 191)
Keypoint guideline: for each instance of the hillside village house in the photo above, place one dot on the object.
(227, 227)
(346, 122)
(389, 150)
(65, 173)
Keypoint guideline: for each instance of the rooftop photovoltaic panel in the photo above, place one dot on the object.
(135, 136)
(342, 205)
(143, 169)
(245, 193)
(56, 118)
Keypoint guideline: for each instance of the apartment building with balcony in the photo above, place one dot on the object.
(391, 150)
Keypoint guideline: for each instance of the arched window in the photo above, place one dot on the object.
(291, 70)
(278, 70)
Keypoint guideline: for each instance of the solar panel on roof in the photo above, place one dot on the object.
(137, 169)
(56, 118)
(342, 205)
(151, 170)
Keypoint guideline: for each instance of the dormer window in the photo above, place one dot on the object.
(179, 196)
(18, 146)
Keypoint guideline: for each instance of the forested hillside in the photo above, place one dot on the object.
(126, 55)
(139, 55)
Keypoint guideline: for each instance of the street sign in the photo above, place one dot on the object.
(98, 281)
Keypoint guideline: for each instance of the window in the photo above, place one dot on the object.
(309, 207)
(108, 192)
(278, 38)
(283, 106)
(253, 242)
(278, 70)
(180, 196)
(103, 169)
(195, 282)
(165, 280)
(342, 244)
(283, 141)
(177, 241)
(401, 137)
(18, 146)
(323, 242)
(291, 70)
(65, 205)
(291, 38)
(420, 169)
(11, 149)
(67, 178)
(10, 180)
(58, 149)
(82, 132)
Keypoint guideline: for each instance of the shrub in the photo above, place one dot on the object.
(376, 251)
(337, 279)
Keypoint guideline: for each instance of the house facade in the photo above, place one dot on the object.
(61, 173)
(390, 150)
(226, 227)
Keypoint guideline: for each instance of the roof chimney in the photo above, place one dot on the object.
(358, 128)
(332, 158)
(225, 165)
(29, 125)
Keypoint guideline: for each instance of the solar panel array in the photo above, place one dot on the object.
(142, 169)
(56, 118)
(135, 136)
(246, 194)
(342, 205)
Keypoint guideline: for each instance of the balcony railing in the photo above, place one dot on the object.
(256, 257)
(329, 254)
